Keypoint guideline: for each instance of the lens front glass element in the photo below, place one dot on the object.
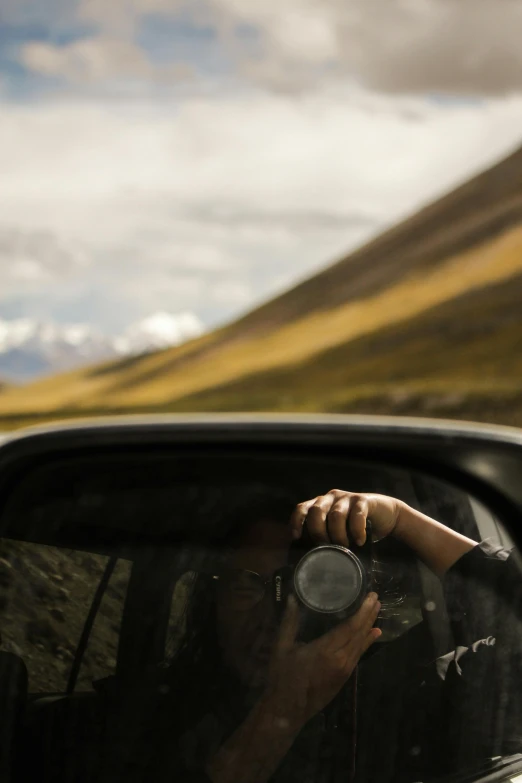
(328, 579)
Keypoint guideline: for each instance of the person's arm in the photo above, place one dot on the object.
(438, 546)
(303, 680)
(340, 516)
(255, 750)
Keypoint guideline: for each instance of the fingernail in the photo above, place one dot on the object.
(360, 541)
(296, 533)
(371, 598)
(378, 606)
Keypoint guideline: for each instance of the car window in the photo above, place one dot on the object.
(45, 596)
(489, 526)
(196, 616)
(101, 651)
(177, 614)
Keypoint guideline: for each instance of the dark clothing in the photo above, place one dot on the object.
(414, 716)
(420, 717)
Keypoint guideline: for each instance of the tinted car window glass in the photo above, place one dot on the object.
(437, 692)
(177, 615)
(45, 596)
(99, 660)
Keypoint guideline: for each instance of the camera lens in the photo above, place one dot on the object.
(329, 579)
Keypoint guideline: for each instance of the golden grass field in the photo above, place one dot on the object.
(426, 319)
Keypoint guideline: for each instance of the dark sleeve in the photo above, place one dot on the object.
(482, 675)
(483, 592)
(433, 717)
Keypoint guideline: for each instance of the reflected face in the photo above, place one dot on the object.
(247, 628)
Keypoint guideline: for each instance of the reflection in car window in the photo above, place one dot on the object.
(215, 646)
(429, 690)
(101, 651)
(177, 616)
(489, 526)
(45, 596)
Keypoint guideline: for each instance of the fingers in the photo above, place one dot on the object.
(358, 517)
(324, 517)
(317, 516)
(370, 639)
(289, 627)
(355, 651)
(349, 657)
(363, 620)
(336, 518)
(336, 521)
(356, 627)
(358, 640)
(298, 517)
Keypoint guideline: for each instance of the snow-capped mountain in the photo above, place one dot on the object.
(161, 330)
(29, 348)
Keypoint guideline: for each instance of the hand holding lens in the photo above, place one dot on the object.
(329, 581)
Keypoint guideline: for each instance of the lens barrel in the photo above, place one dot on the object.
(330, 579)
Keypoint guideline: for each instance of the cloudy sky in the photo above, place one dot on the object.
(203, 155)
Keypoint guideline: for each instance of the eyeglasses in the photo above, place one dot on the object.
(246, 588)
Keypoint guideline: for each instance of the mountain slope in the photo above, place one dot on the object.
(475, 212)
(446, 356)
(369, 310)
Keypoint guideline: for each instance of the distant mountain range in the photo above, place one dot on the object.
(30, 348)
(425, 319)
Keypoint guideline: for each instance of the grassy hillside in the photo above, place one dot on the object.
(460, 358)
(425, 318)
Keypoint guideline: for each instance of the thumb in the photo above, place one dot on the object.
(289, 627)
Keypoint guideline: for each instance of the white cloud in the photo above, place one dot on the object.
(469, 46)
(98, 59)
(122, 15)
(243, 182)
(159, 330)
(466, 46)
(32, 256)
(204, 204)
(400, 46)
(232, 293)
